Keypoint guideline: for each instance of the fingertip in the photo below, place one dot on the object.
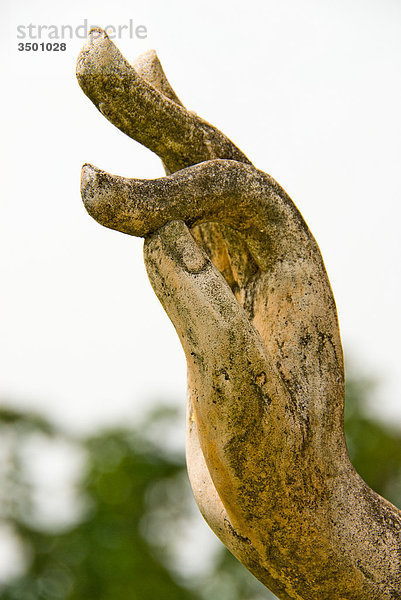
(97, 32)
(88, 181)
(98, 57)
(95, 198)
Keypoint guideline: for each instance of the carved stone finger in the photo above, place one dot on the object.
(149, 67)
(222, 191)
(144, 113)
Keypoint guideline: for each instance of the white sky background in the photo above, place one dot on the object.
(309, 90)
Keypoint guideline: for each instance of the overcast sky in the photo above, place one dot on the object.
(309, 90)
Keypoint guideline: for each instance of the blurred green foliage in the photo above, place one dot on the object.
(137, 508)
(374, 447)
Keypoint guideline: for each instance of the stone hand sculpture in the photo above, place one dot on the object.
(243, 281)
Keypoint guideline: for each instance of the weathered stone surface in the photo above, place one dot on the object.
(242, 279)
